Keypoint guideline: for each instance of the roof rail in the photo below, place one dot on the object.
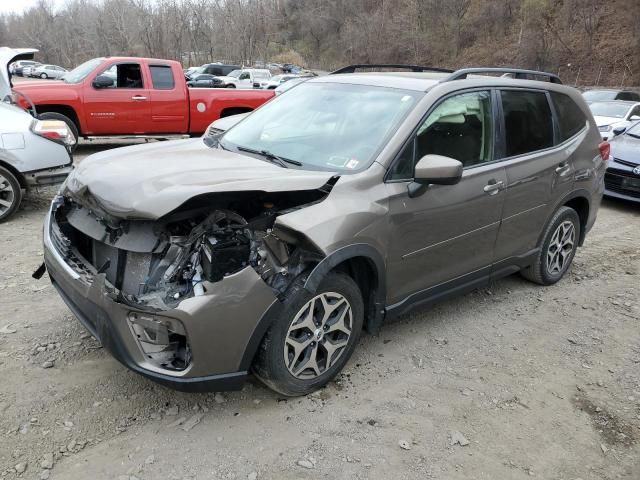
(517, 73)
(413, 68)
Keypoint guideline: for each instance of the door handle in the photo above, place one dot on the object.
(563, 169)
(139, 98)
(493, 187)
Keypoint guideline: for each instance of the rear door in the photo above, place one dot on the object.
(448, 232)
(124, 107)
(537, 156)
(169, 105)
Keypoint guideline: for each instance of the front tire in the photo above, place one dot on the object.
(312, 336)
(559, 245)
(10, 194)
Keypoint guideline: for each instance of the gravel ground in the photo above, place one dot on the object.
(505, 383)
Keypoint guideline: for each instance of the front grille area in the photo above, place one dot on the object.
(623, 183)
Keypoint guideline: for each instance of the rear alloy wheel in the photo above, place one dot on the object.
(559, 244)
(312, 336)
(10, 194)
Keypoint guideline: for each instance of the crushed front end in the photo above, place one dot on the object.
(179, 299)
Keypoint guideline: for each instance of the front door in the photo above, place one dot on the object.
(122, 108)
(448, 232)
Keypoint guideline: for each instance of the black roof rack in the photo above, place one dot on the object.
(517, 73)
(412, 68)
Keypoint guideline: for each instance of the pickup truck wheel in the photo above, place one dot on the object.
(44, 76)
(312, 336)
(10, 194)
(58, 116)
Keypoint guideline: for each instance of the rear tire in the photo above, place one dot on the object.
(44, 76)
(70, 123)
(312, 336)
(231, 85)
(10, 194)
(558, 247)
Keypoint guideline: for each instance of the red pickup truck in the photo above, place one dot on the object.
(129, 96)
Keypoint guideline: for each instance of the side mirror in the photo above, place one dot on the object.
(437, 170)
(102, 81)
(619, 130)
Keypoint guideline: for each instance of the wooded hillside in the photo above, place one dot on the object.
(591, 41)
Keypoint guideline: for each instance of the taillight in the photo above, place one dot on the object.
(605, 150)
(54, 130)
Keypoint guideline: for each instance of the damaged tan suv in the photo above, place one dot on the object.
(339, 204)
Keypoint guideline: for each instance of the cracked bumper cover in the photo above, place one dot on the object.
(222, 327)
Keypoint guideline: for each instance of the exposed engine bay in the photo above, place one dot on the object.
(158, 264)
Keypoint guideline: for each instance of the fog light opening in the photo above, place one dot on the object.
(162, 340)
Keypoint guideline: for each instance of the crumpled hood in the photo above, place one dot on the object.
(149, 181)
(7, 56)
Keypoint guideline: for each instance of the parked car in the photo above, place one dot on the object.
(32, 152)
(278, 80)
(622, 179)
(217, 69)
(125, 96)
(343, 203)
(189, 71)
(27, 69)
(48, 71)
(18, 67)
(606, 95)
(247, 78)
(614, 114)
(205, 80)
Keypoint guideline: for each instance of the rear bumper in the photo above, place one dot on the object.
(49, 176)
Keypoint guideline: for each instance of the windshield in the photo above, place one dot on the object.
(599, 95)
(325, 126)
(609, 109)
(82, 71)
(235, 73)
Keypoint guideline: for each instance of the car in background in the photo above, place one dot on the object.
(278, 80)
(247, 78)
(17, 68)
(33, 153)
(606, 95)
(26, 70)
(205, 80)
(48, 71)
(189, 71)
(217, 69)
(613, 114)
(622, 179)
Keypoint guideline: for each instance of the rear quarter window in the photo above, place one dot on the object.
(162, 77)
(571, 119)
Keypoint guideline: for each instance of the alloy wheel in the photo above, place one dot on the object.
(7, 195)
(318, 335)
(561, 247)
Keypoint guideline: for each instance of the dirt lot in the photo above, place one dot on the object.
(541, 382)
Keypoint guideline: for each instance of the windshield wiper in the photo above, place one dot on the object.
(282, 161)
(633, 135)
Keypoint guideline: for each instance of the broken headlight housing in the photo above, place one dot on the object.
(162, 340)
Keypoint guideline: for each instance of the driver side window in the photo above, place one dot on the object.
(461, 127)
(244, 76)
(125, 75)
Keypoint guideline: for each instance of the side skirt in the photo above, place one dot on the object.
(460, 285)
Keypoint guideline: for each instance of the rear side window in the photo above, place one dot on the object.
(570, 118)
(162, 77)
(528, 122)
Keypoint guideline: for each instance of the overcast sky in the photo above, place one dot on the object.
(18, 6)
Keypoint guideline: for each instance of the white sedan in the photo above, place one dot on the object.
(614, 114)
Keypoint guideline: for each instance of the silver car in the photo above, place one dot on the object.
(32, 152)
(48, 71)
